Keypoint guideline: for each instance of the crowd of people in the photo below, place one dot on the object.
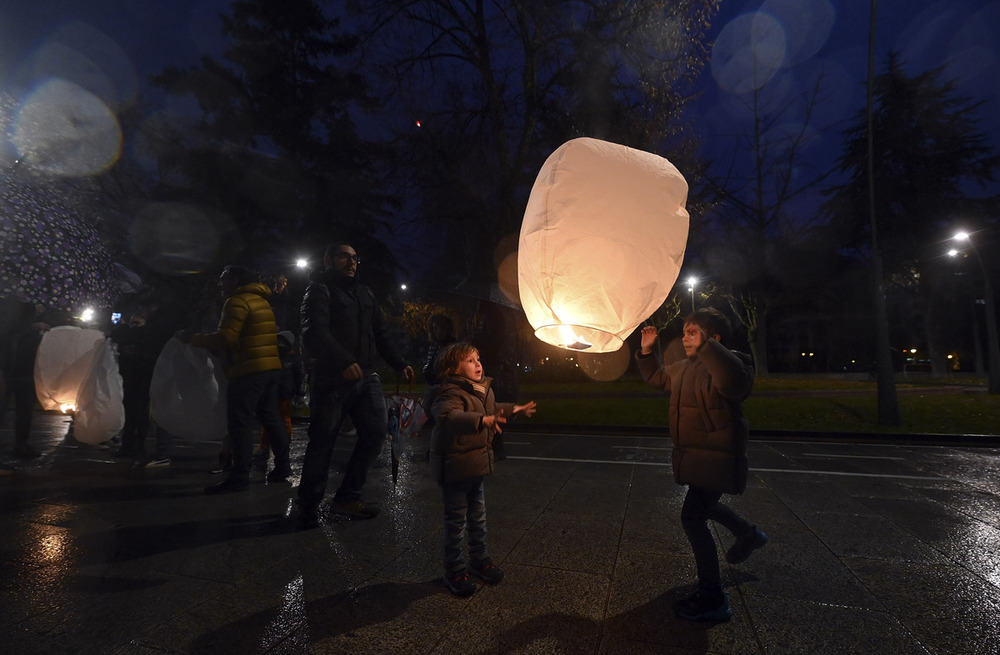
(345, 338)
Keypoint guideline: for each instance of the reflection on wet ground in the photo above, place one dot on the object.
(874, 549)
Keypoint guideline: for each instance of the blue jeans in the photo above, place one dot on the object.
(464, 511)
(700, 505)
(333, 401)
(251, 397)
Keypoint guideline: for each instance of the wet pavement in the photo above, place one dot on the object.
(874, 548)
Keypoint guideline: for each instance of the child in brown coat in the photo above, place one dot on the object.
(466, 418)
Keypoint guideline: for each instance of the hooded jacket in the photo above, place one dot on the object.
(247, 338)
(342, 323)
(707, 426)
(461, 446)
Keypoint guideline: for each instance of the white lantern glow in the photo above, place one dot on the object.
(601, 244)
(76, 371)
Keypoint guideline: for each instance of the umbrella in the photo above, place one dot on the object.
(49, 254)
(405, 418)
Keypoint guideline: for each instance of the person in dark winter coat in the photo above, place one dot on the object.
(466, 418)
(709, 436)
(344, 333)
(140, 338)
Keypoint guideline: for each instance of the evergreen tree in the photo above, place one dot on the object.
(276, 144)
(932, 167)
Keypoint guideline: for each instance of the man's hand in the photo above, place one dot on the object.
(353, 372)
(648, 339)
(408, 374)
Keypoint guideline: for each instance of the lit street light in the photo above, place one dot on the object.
(692, 281)
(992, 347)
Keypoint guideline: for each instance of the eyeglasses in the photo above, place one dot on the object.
(343, 255)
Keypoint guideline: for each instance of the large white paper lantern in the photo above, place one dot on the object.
(188, 392)
(76, 371)
(601, 244)
(63, 363)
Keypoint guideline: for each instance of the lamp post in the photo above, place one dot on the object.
(692, 281)
(992, 347)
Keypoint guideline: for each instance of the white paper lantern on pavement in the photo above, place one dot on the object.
(76, 371)
(601, 244)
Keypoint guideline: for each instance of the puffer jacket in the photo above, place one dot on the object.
(461, 447)
(342, 323)
(707, 426)
(247, 338)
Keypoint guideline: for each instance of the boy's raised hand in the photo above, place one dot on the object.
(648, 339)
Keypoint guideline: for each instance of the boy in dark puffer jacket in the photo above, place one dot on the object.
(709, 436)
(466, 418)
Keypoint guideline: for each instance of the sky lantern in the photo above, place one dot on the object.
(76, 371)
(601, 244)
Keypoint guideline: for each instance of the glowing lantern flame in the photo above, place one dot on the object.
(601, 244)
(67, 408)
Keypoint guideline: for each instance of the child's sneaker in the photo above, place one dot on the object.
(745, 545)
(460, 584)
(487, 571)
(702, 606)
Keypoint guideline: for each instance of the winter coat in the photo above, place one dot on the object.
(247, 338)
(707, 426)
(342, 323)
(461, 446)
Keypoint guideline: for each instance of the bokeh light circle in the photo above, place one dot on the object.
(748, 52)
(605, 367)
(63, 129)
(175, 238)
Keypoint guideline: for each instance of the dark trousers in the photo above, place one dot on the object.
(700, 505)
(249, 398)
(135, 401)
(23, 389)
(332, 401)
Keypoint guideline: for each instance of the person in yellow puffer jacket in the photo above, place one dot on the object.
(247, 341)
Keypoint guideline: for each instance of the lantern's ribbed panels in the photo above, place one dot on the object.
(601, 244)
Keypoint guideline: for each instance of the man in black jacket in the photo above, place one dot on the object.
(344, 331)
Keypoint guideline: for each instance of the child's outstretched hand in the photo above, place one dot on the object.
(527, 410)
(648, 339)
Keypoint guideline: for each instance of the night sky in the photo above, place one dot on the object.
(125, 41)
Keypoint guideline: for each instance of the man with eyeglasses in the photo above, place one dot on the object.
(344, 332)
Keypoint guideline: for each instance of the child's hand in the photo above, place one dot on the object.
(648, 339)
(527, 410)
(494, 421)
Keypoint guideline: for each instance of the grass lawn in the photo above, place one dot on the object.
(927, 405)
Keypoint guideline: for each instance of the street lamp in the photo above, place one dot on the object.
(692, 281)
(992, 348)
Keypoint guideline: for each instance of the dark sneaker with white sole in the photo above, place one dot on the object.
(704, 607)
(745, 546)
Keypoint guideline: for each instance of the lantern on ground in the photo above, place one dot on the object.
(76, 371)
(601, 244)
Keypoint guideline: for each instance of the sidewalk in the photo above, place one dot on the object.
(98, 557)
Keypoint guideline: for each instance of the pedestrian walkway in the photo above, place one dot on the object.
(99, 557)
